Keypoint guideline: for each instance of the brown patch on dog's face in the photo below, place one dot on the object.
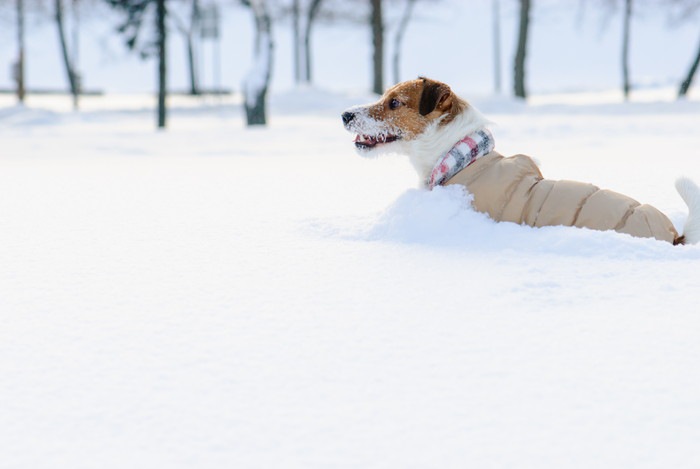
(413, 105)
(403, 112)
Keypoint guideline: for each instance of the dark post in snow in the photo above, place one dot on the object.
(19, 71)
(378, 47)
(519, 69)
(398, 38)
(685, 85)
(625, 49)
(161, 40)
(257, 81)
(70, 71)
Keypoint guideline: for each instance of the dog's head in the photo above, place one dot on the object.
(402, 114)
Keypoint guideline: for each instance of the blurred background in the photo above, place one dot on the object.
(511, 48)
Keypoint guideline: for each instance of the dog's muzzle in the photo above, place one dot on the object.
(356, 122)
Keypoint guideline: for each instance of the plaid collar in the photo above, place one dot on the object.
(464, 153)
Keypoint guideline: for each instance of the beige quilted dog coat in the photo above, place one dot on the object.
(513, 189)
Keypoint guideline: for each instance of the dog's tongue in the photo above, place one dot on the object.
(365, 139)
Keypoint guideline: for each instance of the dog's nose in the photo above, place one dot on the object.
(347, 117)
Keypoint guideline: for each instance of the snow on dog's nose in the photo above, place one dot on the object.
(370, 132)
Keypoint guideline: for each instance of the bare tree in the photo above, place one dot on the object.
(257, 82)
(296, 43)
(399, 35)
(67, 63)
(521, 50)
(684, 10)
(311, 15)
(685, 84)
(161, 41)
(627, 16)
(136, 12)
(496, 13)
(59, 12)
(377, 25)
(304, 16)
(189, 31)
(19, 71)
(629, 9)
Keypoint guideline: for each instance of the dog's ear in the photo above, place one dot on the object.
(435, 95)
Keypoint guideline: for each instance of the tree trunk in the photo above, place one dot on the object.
(306, 51)
(161, 42)
(685, 86)
(194, 89)
(258, 79)
(72, 81)
(20, 56)
(378, 47)
(194, 21)
(398, 38)
(519, 72)
(76, 51)
(296, 41)
(625, 49)
(496, 47)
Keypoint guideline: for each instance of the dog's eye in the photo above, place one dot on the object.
(394, 103)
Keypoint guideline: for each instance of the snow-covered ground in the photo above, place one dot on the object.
(215, 296)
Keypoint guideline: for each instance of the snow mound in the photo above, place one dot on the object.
(440, 216)
(444, 218)
(23, 116)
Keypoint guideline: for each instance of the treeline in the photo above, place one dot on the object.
(146, 24)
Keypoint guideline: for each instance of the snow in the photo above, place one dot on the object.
(216, 296)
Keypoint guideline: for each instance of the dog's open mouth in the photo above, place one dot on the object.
(365, 142)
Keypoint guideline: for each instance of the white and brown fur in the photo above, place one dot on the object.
(424, 119)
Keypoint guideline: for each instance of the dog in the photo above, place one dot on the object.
(448, 142)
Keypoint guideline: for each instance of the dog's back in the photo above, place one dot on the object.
(513, 189)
